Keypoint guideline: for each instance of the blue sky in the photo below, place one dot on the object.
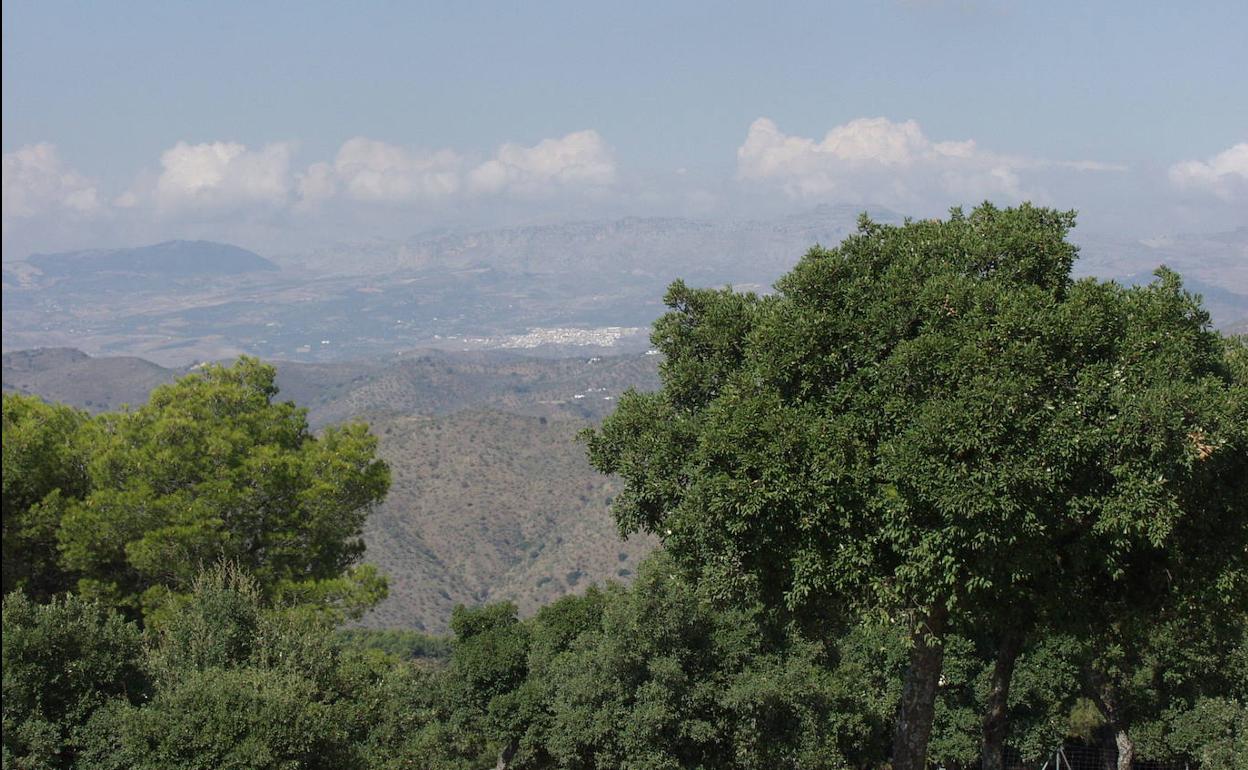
(284, 123)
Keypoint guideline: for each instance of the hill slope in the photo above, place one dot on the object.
(72, 377)
(492, 497)
(486, 506)
(171, 258)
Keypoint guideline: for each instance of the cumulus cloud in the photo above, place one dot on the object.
(316, 184)
(370, 170)
(1224, 175)
(37, 181)
(881, 160)
(374, 171)
(220, 180)
(579, 159)
(220, 175)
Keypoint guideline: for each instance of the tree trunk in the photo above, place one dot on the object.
(1117, 748)
(996, 715)
(918, 695)
(1109, 749)
(1126, 749)
(506, 755)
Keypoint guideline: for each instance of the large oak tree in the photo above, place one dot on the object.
(935, 421)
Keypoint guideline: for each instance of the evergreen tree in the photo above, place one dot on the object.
(919, 414)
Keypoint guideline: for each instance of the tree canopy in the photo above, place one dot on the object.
(44, 464)
(646, 676)
(131, 505)
(935, 419)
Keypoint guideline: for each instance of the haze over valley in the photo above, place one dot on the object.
(550, 289)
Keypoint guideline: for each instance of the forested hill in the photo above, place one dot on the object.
(491, 498)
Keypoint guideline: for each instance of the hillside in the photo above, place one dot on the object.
(492, 496)
(72, 377)
(171, 258)
(439, 382)
(485, 506)
(429, 382)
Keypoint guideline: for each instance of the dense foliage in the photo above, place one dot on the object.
(398, 643)
(226, 683)
(44, 465)
(63, 662)
(919, 414)
(128, 506)
(649, 676)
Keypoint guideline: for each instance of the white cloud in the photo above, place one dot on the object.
(214, 181)
(370, 170)
(221, 175)
(36, 181)
(878, 160)
(1225, 174)
(580, 159)
(316, 184)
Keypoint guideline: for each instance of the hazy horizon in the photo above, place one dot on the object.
(279, 132)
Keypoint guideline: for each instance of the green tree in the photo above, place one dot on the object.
(44, 467)
(62, 662)
(218, 700)
(655, 676)
(488, 666)
(913, 417)
(1044, 694)
(399, 643)
(213, 468)
(1170, 607)
(236, 683)
(1147, 676)
(1214, 732)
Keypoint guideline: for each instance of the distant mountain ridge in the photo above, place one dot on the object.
(483, 289)
(171, 258)
(737, 250)
(423, 382)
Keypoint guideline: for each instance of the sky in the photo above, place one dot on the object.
(283, 125)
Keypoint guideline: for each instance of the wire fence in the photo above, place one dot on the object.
(1074, 756)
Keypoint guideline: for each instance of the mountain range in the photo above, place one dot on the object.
(551, 289)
